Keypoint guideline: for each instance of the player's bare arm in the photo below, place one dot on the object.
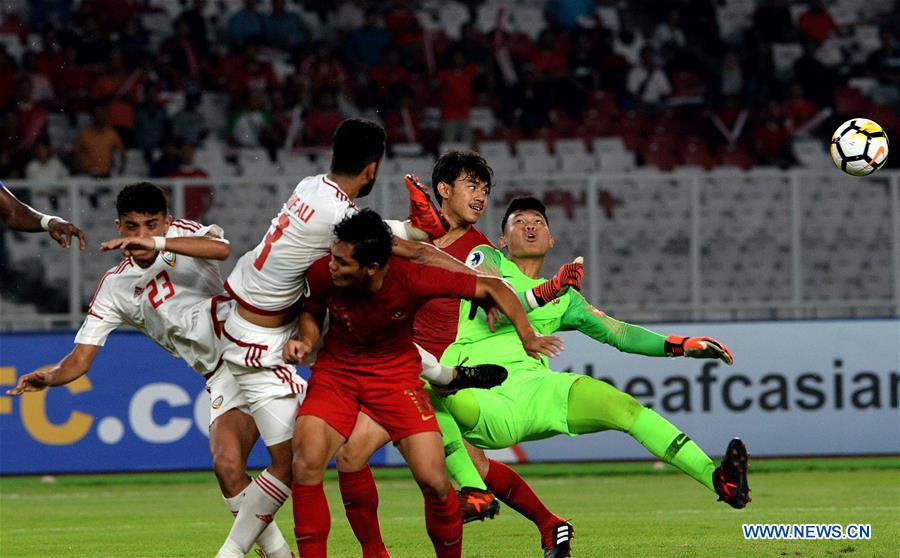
(208, 248)
(75, 365)
(21, 217)
(309, 329)
(508, 303)
(427, 254)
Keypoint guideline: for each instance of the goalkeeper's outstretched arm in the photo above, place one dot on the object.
(629, 338)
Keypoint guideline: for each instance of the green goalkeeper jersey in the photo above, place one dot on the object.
(570, 311)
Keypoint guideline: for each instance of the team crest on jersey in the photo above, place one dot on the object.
(169, 258)
(218, 402)
(138, 291)
(475, 259)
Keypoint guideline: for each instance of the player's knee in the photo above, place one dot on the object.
(230, 472)
(434, 486)
(350, 459)
(307, 467)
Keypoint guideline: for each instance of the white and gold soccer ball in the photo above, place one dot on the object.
(859, 147)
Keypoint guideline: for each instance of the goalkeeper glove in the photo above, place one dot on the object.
(569, 275)
(698, 347)
(424, 212)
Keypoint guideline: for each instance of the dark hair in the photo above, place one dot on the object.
(370, 236)
(452, 164)
(143, 197)
(357, 143)
(524, 204)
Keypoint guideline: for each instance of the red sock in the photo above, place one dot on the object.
(444, 525)
(513, 491)
(312, 520)
(360, 497)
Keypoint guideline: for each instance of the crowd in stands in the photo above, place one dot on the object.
(697, 82)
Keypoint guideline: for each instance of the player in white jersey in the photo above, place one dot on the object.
(168, 287)
(268, 284)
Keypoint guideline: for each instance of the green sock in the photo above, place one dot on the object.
(669, 444)
(459, 464)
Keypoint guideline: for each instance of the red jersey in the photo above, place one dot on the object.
(371, 334)
(435, 325)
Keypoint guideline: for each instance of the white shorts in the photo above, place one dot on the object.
(224, 394)
(253, 356)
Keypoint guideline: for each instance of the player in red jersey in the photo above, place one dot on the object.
(368, 359)
(462, 181)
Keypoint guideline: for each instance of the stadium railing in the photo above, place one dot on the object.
(678, 246)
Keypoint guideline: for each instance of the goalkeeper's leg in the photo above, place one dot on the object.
(595, 406)
(501, 479)
(475, 501)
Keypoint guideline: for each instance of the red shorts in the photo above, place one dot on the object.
(337, 398)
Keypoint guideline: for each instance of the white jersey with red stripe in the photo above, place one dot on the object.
(172, 302)
(272, 277)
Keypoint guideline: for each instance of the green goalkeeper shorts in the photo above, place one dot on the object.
(532, 404)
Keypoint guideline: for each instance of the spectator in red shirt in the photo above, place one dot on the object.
(385, 79)
(182, 53)
(817, 23)
(457, 95)
(547, 60)
(73, 84)
(798, 109)
(320, 69)
(196, 196)
(402, 122)
(771, 138)
(253, 75)
(31, 118)
(323, 119)
(7, 79)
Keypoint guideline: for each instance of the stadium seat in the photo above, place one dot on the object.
(534, 157)
(735, 156)
(528, 20)
(697, 155)
(811, 153)
(452, 16)
(499, 156)
(607, 145)
(661, 156)
(616, 161)
(488, 15)
(482, 118)
(573, 156)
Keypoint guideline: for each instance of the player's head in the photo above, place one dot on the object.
(144, 212)
(462, 182)
(361, 248)
(525, 230)
(357, 150)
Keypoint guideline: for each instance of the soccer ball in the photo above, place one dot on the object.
(859, 147)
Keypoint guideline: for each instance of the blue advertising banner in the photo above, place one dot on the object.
(138, 409)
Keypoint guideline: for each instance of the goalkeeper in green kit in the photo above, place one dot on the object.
(536, 402)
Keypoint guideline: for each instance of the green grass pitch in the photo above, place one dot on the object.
(629, 509)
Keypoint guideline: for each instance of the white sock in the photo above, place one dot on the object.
(434, 371)
(256, 515)
(271, 541)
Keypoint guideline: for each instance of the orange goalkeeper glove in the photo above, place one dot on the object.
(569, 275)
(424, 212)
(698, 347)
